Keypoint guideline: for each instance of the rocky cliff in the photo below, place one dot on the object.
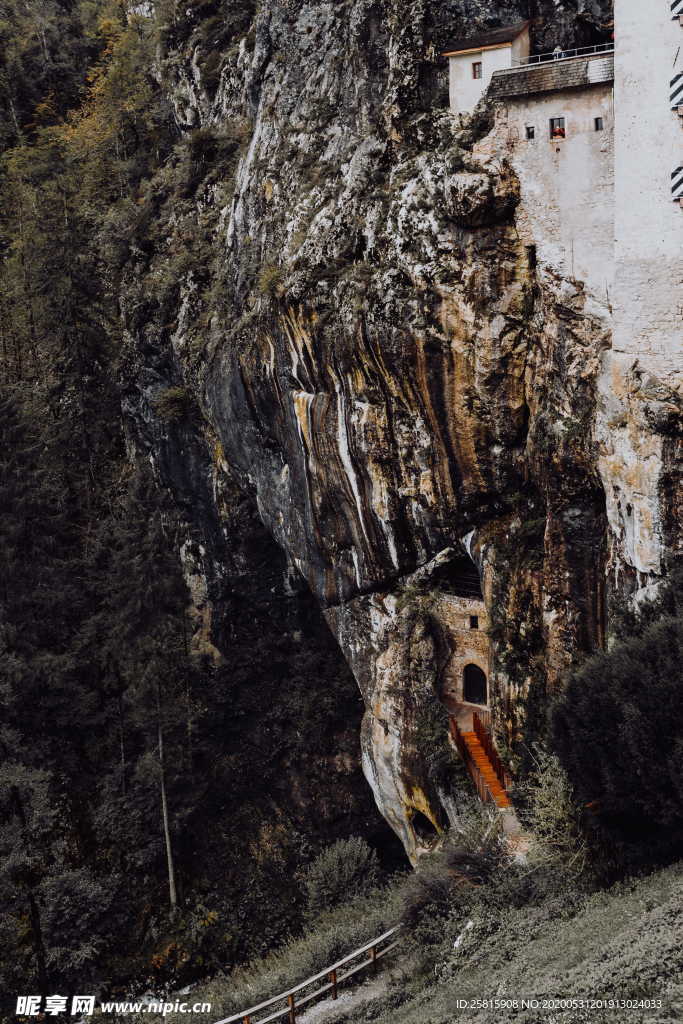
(342, 291)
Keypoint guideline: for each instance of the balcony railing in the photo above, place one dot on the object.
(581, 51)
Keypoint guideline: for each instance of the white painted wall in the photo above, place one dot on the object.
(648, 319)
(466, 91)
(567, 193)
(645, 364)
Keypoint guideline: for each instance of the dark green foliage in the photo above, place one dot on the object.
(343, 871)
(445, 768)
(174, 404)
(269, 279)
(110, 727)
(618, 729)
(44, 53)
(472, 859)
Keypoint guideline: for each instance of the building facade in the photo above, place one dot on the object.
(472, 62)
(554, 121)
(596, 139)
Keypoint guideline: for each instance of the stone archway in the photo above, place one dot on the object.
(474, 685)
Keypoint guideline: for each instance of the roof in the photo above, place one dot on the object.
(494, 37)
(552, 76)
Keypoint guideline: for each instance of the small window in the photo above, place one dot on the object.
(557, 128)
(599, 124)
(530, 131)
(477, 69)
(474, 622)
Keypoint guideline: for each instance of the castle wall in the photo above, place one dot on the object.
(643, 372)
(567, 204)
(466, 91)
(468, 646)
(648, 300)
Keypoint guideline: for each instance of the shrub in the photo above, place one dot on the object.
(174, 404)
(552, 818)
(451, 878)
(345, 870)
(269, 279)
(617, 729)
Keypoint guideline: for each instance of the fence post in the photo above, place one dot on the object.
(292, 1010)
(373, 958)
(333, 980)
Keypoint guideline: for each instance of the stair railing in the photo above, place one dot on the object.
(486, 739)
(482, 789)
(368, 954)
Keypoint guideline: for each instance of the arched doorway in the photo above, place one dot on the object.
(474, 689)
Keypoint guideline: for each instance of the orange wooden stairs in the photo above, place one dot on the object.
(486, 770)
(482, 761)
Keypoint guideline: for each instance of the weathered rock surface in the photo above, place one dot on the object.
(384, 365)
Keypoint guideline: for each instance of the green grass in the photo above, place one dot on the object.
(622, 943)
(530, 937)
(335, 934)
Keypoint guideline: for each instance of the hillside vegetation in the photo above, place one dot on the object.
(154, 794)
(622, 943)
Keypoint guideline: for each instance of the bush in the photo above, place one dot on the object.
(557, 844)
(617, 730)
(345, 870)
(269, 279)
(174, 404)
(450, 879)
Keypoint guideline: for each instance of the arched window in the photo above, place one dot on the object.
(474, 685)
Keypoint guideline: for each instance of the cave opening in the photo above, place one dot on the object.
(424, 829)
(460, 577)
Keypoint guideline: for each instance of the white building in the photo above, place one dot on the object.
(648, 298)
(472, 62)
(595, 138)
(554, 121)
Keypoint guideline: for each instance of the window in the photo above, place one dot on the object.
(477, 69)
(530, 131)
(557, 128)
(599, 124)
(474, 622)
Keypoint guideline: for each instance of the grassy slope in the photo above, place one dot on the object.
(623, 943)
(627, 942)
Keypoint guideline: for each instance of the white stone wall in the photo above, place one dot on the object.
(567, 193)
(643, 371)
(466, 91)
(648, 301)
(598, 207)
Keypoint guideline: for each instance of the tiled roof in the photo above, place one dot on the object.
(552, 76)
(494, 37)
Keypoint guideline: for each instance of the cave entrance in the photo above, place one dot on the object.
(474, 687)
(424, 830)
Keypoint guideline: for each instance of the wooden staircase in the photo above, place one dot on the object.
(483, 764)
(482, 761)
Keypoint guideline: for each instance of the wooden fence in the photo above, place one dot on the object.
(370, 953)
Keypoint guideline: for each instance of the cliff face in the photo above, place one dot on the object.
(377, 356)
